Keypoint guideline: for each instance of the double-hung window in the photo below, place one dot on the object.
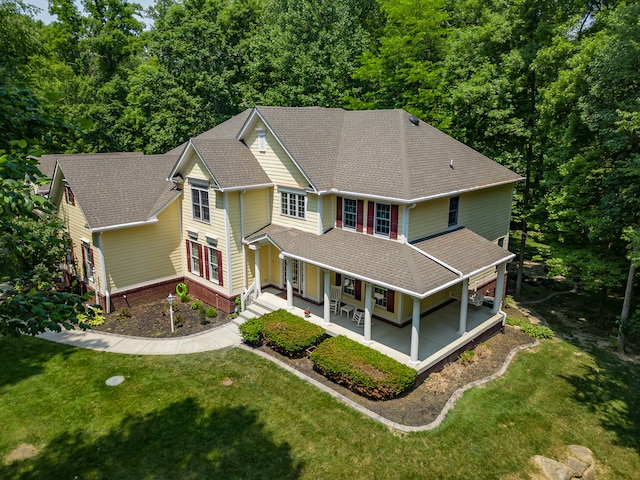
(68, 195)
(293, 204)
(200, 202)
(350, 213)
(349, 286)
(380, 296)
(382, 220)
(454, 207)
(87, 261)
(194, 257)
(214, 271)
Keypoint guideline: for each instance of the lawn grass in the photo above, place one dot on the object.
(178, 417)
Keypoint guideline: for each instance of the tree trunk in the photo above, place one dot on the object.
(601, 304)
(523, 244)
(626, 305)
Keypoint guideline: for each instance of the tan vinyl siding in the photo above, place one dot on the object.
(214, 229)
(482, 278)
(487, 212)
(139, 255)
(75, 222)
(312, 288)
(235, 237)
(308, 224)
(428, 218)
(328, 212)
(275, 161)
(256, 210)
(434, 300)
(274, 265)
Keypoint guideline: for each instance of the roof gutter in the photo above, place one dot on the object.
(242, 188)
(124, 225)
(494, 264)
(415, 200)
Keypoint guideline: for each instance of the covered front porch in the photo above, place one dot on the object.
(438, 331)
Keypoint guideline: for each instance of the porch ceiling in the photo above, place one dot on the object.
(384, 262)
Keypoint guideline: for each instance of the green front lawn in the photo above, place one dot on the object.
(231, 414)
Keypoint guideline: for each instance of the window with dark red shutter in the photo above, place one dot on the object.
(359, 215)
(339, 213)
(394, 222)
(371, 211)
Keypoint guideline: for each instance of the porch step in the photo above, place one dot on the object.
(258, 308)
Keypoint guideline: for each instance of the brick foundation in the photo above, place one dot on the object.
(146, 294)
(215, 299)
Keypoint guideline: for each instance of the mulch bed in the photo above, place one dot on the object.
(421, 406)
(152, 320)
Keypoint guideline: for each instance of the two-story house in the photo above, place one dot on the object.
(402, 218)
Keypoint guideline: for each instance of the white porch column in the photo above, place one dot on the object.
(464, 306)
(327, 300)
(289, 287)
(415, 332)
(368, 296)
(256, 251)
(497, 301)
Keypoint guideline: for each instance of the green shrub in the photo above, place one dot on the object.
(184, 298)
(196, 305)
(93, 317)
(202, 314)
(535, 331)
(467, 357)
(362, 369)
(238, 302)
(288, 334)
(178, 319)
(212, 312)
(251, 331)
(124, 313)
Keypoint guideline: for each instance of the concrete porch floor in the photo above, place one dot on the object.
(438, 330)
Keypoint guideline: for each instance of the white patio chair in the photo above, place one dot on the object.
(358, 317)
(334, 298)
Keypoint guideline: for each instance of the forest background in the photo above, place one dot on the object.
(546, 88)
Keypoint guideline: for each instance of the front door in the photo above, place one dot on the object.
(297, 280)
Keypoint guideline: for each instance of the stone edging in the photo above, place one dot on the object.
(379, 418)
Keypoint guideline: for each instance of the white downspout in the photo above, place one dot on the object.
(227, 231)
(244, 249)
(103, 275)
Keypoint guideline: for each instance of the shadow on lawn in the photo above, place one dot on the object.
(181, 441)
(611, 390)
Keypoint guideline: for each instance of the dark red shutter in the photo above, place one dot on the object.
(338, 279)
(200, 257)
(206, 262)
(339, 213)
(72, 196)
(359, 215)
(84, 262)
(220, 276)
(370, 214)
(358, 289)
(390, 300)
(188, 255)
(93, 264)
(394, 222)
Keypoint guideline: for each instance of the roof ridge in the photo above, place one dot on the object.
(403, 154)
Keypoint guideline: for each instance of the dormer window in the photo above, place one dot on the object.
(350, 213)
(383, 219)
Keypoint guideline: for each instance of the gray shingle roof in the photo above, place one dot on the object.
(380, 153)
(464, 250)
(392, 264)
(231, 162)
(118, 189)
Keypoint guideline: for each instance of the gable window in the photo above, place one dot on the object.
(213, 270)
(68, 195)
(262, 140)
(350, 212)
(87, 261)
(292, 204)
(382, 220)
(454, 206)
(200, 202)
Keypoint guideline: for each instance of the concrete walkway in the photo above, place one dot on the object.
(226, 335)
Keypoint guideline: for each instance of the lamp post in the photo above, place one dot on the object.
(170, 298)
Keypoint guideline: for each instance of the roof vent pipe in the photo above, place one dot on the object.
(415, 120)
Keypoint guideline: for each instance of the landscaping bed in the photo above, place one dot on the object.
(421, 405)
(152, 320)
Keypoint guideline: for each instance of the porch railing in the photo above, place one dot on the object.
(248, 296)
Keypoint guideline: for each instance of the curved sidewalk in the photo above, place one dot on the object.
(221, 337)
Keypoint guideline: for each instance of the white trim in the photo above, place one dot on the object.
(124, 225)
(439, 262)
(245, 187)
(250, 120)
(335, 191)
(227, 232)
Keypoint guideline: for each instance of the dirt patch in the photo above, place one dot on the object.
(152, 320)
(21, 452)
(423, 404)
